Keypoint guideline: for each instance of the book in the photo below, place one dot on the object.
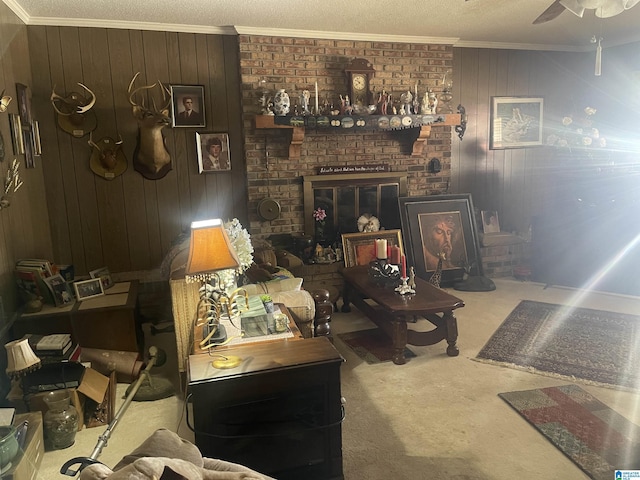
(54, 342)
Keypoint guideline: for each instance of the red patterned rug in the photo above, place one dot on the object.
(594, 437)
(372, 345)
(598, 347)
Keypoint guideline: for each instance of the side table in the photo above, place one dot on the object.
(279, 412)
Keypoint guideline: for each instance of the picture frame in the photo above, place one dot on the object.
(87, 289)
(359, 248)
(213, 152)
(436, 223)
(29, 160)
(24, 104)
(16, 134)
(60, 290)
(516, 122)
(104, 275)
(490, 221)
(185, 98)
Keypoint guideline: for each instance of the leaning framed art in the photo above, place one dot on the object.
(516, 122)
(359, 247)
(441, 226)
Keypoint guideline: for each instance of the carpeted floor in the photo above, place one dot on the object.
(372, 345)
(599, 347)
(592, 435)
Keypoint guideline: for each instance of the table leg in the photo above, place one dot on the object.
(345, 299)
(399, 337)
(452, 333)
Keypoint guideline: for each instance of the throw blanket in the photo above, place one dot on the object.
(166, 456)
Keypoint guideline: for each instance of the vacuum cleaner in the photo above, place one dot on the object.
(153, 391)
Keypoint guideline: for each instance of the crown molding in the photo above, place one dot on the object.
(18, 10)
(521, 46)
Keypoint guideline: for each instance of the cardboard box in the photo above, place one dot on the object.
(93, 386)
(27, 465)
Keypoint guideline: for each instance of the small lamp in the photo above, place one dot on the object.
(20, 359)
(210, 251)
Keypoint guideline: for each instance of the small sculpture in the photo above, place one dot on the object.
(436, 277)
(368, 223)
(406, 99)
(304, 102)
(412, 277)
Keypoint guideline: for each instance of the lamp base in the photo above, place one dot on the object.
(228, 361)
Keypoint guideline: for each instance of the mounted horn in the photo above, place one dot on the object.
(74, 111)
(5, 100)
(107, 158)
(151, 157)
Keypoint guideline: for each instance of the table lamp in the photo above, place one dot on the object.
(210, 251)
(20, 359)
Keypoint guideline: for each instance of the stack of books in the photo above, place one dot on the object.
(57, 347)
(30, 275)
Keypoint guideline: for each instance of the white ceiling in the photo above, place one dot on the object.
(480, 23)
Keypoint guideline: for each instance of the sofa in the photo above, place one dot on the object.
(272, 273)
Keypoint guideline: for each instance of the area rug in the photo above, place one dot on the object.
(372, 345)
(595, 437)
(595, 346)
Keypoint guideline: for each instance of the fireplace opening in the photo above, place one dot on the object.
(346, 197)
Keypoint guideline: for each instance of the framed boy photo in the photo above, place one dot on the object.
(213, 152)
(187, 106)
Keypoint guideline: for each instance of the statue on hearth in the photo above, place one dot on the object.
(304, 102)
(406, 99)
(383, 102)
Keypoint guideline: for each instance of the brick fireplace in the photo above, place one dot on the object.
(296, 64)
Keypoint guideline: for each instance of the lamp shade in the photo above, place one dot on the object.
(210, 250)
(20, 358)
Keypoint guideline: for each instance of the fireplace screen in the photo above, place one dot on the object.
(345, 197)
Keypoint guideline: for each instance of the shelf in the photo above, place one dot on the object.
(357, 123)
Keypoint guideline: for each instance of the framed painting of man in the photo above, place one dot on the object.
(441, 227)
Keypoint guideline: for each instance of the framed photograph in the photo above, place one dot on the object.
(516, 122)
(441, 226)
(62, 294)
(16, 134)
(104, 275)
(359, 248)
(24, 105)
(213, 152)
(37, 146)
(88, 289)
(187, 105)
(490, 222)
(29, 160)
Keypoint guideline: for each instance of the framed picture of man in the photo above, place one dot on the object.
(441, 227)
(187, 106)
(213, 152)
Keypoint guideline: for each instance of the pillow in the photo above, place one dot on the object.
(274, 286)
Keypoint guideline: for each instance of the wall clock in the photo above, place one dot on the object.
(359, 74)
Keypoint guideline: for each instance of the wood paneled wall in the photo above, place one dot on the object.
(515, 182)
(129, 223)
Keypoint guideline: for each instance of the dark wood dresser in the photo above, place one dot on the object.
(279, 412)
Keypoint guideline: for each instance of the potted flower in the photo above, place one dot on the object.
(267, 301)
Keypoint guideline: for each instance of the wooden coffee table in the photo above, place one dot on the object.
(391, 311)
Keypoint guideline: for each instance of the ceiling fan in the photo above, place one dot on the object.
(603, 8)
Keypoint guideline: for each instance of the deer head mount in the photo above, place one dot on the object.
(74, 112)
(107, 158)
(151, 157)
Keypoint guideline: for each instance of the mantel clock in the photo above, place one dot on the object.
(359, 74)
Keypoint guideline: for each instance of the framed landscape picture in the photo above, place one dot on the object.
(516, 122)
(88, 289)
(441, 226)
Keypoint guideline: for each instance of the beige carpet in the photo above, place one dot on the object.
(436, 417)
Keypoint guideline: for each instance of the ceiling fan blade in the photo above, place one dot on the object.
(550, 13)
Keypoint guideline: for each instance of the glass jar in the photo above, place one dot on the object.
(60, 421)
(8, 447)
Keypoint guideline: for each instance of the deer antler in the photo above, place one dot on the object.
(73, 102)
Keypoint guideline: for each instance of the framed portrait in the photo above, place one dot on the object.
(490, 221)
(104, 275)
(24, 105)
(441, 226)
(60, 290)
(516, 122)
(213, 152)
(86, 289)
(187, 106)
(16, 134)
(359, 248)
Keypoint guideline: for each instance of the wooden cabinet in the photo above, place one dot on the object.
(279, 412)
(108, 322)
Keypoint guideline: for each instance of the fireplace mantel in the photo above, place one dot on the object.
(298, 132)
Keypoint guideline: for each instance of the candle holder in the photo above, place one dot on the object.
(404, 288)
(384, 273)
